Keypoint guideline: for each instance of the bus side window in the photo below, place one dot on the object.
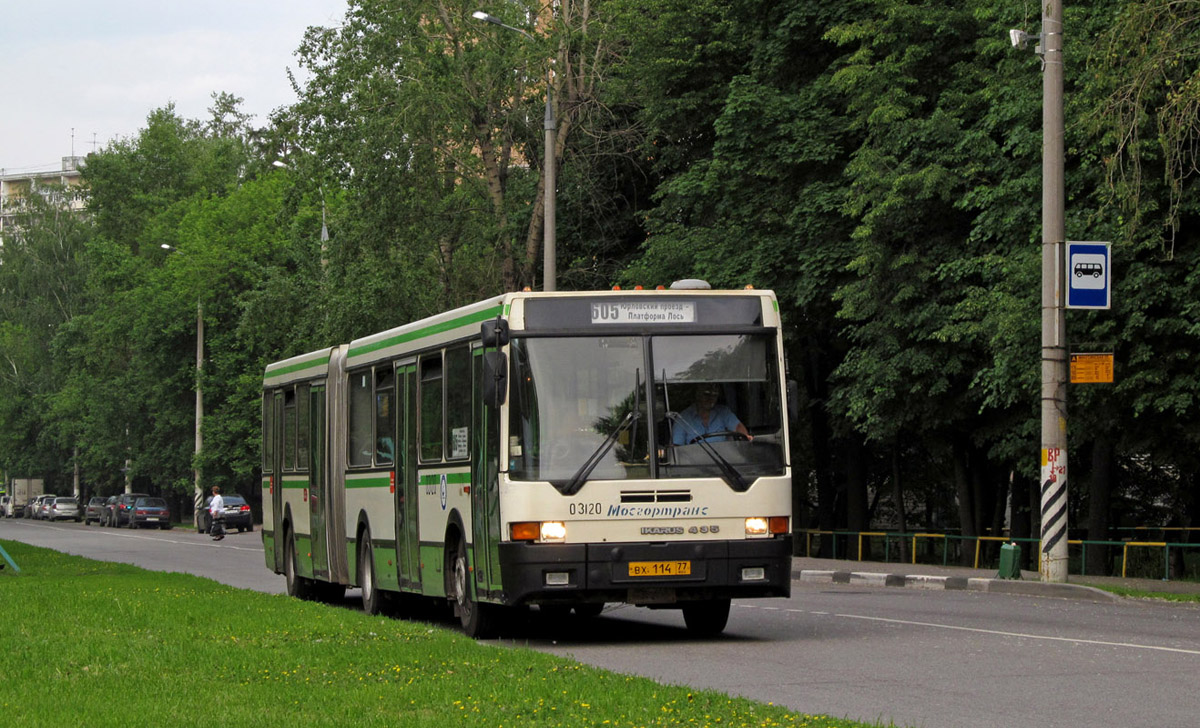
(385, 415)
(268, 432)
(302, 405)
(431, 407)
(361, 445)
(458, 403)
(289, 430)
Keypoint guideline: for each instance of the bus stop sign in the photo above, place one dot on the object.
(1089, 275)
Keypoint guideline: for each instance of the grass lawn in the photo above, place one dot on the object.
(102, 644)
(1143, 594)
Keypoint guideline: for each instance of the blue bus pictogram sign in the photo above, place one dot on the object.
(1089, 275)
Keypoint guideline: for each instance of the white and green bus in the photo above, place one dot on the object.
(554, 449)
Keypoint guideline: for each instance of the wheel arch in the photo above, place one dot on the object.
(455, 533)
(286, 524)
(362, 528)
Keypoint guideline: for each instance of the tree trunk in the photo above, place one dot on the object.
(898, 503)
(1189, 504)
(1019, 518)
(822, 445)
(1099, 503)
(856, 492)
(964, 488)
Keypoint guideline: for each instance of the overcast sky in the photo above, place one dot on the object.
(101, 66)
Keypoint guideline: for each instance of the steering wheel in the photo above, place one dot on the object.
(723, 433)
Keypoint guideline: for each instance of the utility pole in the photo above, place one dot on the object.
(1053, 556)
(549, 172)
(549, 223)
(199, 494)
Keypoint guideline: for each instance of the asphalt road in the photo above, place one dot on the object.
(916, 657)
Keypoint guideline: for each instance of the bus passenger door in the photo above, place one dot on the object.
(277, 481)
(485, 493)
(408, 532)
(318, 481)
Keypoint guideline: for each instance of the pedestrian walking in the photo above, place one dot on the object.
(216, 511)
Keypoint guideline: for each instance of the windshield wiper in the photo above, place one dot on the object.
(572, 486)
(729, 474)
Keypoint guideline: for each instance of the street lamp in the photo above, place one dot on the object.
(324, 228)
(1053, 559)
(549, 172)
(198, 495)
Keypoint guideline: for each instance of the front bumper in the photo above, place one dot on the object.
(600, 572)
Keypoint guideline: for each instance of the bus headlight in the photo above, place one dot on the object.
(554, 531)
(758, 526)
(543, 531)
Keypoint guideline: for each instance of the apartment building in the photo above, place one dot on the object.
(16, 186)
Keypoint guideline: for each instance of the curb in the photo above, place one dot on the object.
(955, 583)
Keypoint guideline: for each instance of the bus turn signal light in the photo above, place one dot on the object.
(773, 526)
(544, 531)
(525, 531)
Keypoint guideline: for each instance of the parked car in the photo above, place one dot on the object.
(94, 511)
(122, 508)
(41, 507)
(15, 508)
(237, 515)
(6, 506)
(63, 508)
(110, 507)
(31, 506)
(151, 512)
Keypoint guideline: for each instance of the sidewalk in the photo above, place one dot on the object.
(929, 576)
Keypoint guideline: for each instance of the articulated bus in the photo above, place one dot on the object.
(558, 449)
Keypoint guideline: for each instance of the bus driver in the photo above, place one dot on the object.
(705, 417)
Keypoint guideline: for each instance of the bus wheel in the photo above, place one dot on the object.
(706, 618)
(372, 600)
(297, 586)
(478, 620)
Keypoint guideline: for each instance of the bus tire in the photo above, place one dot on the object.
(297, 586)
(372, 600)
(706, 618)
(478, 620)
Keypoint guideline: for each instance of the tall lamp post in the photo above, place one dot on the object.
(324, 228)
(549, 171)
(1052, 561)
(198, 495)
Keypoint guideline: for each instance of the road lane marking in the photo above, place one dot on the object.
(1000, 633)
(116, 532)
(1003, 633)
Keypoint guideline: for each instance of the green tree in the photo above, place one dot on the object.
(1140, 110)
(449, 190)
(742, 126)
(41, 288)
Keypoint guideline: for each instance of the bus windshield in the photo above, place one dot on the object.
(663, 406)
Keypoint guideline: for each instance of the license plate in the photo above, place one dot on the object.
(152, 518)
(660, 568)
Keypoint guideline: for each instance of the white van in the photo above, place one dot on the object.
(6, 506)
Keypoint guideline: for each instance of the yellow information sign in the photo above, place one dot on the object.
(1091, 369)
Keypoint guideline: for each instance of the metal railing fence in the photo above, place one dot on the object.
(923, 547)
